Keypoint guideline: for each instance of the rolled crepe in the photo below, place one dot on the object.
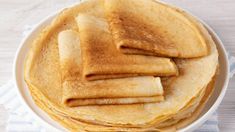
(103, 61)
(153, 28)
(78, 92)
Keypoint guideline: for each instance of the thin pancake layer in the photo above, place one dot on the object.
(152, 28)
(75, 125)
(101, 59)
(42, 70)
(189, 109)
(77, 91)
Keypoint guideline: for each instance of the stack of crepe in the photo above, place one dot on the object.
(122, 65)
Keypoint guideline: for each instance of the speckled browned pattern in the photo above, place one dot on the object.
(148, 27)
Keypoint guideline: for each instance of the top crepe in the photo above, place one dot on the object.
(153, 28)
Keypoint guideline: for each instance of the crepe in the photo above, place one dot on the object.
(77, 91)
(118, 91)
(153, 28)
(43, 75)
(74, 125)
(101, 59)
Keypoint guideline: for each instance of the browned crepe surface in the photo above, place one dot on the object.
(152, 28)
(102, 60)
(79, 92)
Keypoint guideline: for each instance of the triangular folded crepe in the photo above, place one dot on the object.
(103, 61)
(153, 28)
(43, 76)
(77, 91)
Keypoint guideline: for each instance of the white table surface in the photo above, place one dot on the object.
(15, 14)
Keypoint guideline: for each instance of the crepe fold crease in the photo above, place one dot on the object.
(102, 60)
(153, 28)
(78, 92)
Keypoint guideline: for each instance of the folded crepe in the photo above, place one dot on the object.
(75, 125)
(43, 76)
(103, 61)
(77, 92)
(153, 28)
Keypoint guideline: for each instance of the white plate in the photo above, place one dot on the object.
(51, 125)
